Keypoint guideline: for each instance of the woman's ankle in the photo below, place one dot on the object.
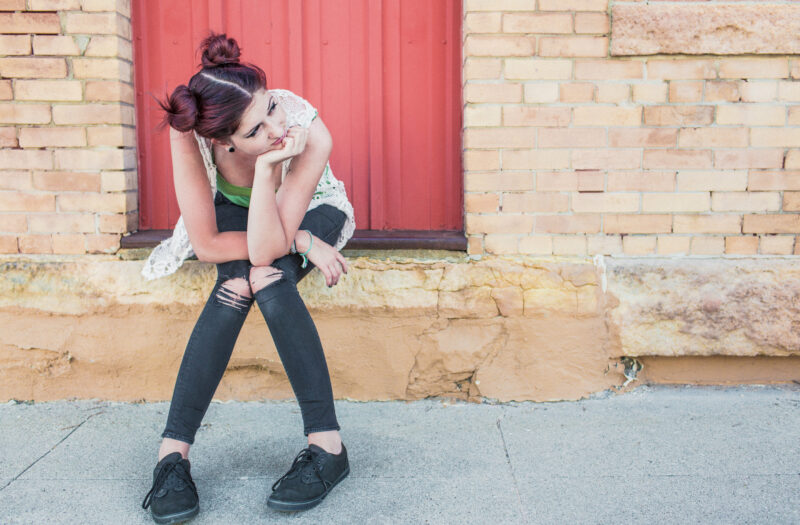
(169, 445)
(330, 441)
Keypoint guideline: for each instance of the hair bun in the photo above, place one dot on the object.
(219, 50)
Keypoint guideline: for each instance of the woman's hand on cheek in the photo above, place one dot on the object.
(293, 144)
(329, 261)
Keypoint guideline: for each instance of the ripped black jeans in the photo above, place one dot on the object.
(296, 339)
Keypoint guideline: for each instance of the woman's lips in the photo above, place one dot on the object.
(280, 139)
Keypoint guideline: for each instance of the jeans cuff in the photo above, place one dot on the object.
(321, 429)
(173, 435)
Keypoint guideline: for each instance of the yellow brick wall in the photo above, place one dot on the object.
(68, 159)
(570, 150)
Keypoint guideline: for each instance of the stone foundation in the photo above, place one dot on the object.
(407, 327)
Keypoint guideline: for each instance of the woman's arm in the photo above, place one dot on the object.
(273, 218)
(197, 205)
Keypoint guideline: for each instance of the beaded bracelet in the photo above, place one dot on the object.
(310, 244)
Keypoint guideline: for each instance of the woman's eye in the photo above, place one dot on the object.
(272, 106)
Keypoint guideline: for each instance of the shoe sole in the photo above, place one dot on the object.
(303, 505)
(178, 517)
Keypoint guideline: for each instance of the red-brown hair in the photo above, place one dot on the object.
(215, 99)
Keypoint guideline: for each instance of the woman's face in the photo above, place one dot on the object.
(263, 122)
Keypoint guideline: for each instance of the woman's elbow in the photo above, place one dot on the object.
(260, 258)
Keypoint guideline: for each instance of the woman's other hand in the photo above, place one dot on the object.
(328, 259)
(293, 144)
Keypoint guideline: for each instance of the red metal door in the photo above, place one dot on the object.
(385, 76)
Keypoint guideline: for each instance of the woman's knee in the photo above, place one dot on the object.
(263, 276)
(235, 293)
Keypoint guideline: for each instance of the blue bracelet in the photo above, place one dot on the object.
(310, 244)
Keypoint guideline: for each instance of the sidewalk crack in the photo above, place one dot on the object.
(26, 469)
(511, 469)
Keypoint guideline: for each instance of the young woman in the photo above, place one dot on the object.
(258, 198)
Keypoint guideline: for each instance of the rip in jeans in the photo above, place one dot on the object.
(235, 293)
(263, 276)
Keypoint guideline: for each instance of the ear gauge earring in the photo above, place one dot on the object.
(231, 149)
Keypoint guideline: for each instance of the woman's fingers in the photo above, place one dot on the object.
(342, 260)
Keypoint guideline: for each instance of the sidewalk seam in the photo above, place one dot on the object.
(511, 468)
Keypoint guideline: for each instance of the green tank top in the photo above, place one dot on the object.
(239, 195)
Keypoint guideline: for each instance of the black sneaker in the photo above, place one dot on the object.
(312, 476)
(173, 497)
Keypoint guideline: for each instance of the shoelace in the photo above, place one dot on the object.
(303, 458)
(162, 477)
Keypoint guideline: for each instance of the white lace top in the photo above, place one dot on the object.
(169, 255)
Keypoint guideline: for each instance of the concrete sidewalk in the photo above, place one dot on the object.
(652, 455)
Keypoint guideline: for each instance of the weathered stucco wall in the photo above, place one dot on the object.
(499, 328)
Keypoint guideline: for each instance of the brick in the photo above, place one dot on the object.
(575, 46)
(606, 116)
(788, 91)
(85, 159)
(678, 115)
(641, 137)
(792, 159)
(776, 244)
(13, 113)
(605, 69)
(748, 158)
(15, 180)
(26, 159)
(606, 158)
(55, 45)
(583, 223)
(499, 46)
(753, 68)
(6, 92)
(603, 244)
(66, 181)
(482, 68)
(499, 138)
(12, 5)
(605, 202)
(772, 223)
(557, 181)
(92, 114)
(498, 181)
(118, 223)
(569, 245)
(482, 23)
(103, 243)
(15, 45)
(675, 202)
(61, 223)
(573, 5)
(17, 201)
(723, 180)
(676, 158)
(479, 160)
(536, 245)
(97, 202)
(686, 91)
(592, 23)
(23, 23)
(493, 93)
(759, 91)
(706, 245)
(535, 202)
(571, 137)
(537, 69)
(109, 91)
(717, 223)
(791, 201)
(613, 93)
(678, 69)
(475, 244)
(53, 5)
(576, 92)
(741, 245)
(98, 23)
(541, 92)
(482, 116)
(722, 91)
(8, 244)
(591, 180)
(499, 223)
(775, 137)
(38, 67)
(111, 68)
(35, 244)
(639, 244)
(497, 5)
(69, 243)
(501, 244)
(537, 23)
(111, 136)
(745, 201)
(538, 159)
(48, 90)
(713, 137)
(636, 223)
(8, 137)
(773, 180)
(481, 202)
(52, 137)
(672, 244)
(751, 115)
(109, 46)
(534, 116)
(123, 7)
(650, 92)
(13, 223)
